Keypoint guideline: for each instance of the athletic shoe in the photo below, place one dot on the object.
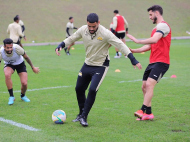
(126, 57)
(68, 53)
(25, 99)
(11, 100)
(146, 117)
(117, 56)
(77, 119)
(139, 113)
(83, 121)
(65, 49)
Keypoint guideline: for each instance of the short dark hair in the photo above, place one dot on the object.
(156, 8)
(70, 18)
(15, 18)
(116, 11)
(7, 41)
(92, 18)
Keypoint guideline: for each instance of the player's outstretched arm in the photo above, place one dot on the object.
(35, 69)
(152, 40)
(134, 62)
(59, 48)
(142, 49)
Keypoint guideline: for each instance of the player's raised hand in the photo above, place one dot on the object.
(138, 66)
(36, 70)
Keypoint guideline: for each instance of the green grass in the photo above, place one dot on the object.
(111, 118)
(45, 20)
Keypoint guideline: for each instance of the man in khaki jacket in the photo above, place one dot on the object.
(97, 40)
(15, 31)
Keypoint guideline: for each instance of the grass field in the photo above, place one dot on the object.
(111, 118)
(46, 20)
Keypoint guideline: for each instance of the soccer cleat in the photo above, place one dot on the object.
(146, 117)
(11, 100)
(126, 57)
(68, 53)
(25, 99)
(83, 121)
(77, 119)
(117, 56)
(139, 114)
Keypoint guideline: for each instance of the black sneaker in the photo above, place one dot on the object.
(83, 121)
(65, 49)
(77, 119)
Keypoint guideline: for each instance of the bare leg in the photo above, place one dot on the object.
(8, 71)
(23, 79)
(150, 84)
(144, 88)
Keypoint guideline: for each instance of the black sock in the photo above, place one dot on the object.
(22, 95)
(143, 108)
(148, 110)
(11, 92)
(117, 53)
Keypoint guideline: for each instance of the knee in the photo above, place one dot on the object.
(7, 76)
(24, 83)
(92, 90)
(148, 85)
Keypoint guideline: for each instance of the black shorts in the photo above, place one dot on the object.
(155, 71)
(120, 35)
(19, 68)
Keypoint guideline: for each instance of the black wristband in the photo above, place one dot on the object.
(112, 30)
(61, 45)
(126, 29)
(132, 58)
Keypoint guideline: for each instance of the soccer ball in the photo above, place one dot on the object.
(59, 117)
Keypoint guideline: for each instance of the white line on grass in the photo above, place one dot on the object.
(41, 88)
(138, 80)
(18, 124)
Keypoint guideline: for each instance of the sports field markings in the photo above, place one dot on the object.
(137, 80)
(41, 88)
(19, 124)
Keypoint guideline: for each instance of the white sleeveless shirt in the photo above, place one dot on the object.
(15, 58)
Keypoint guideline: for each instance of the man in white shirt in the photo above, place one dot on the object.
(97, 40)
(69, 32)
(13, 54)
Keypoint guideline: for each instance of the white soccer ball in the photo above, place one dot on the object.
(59, 116)
(120, 53)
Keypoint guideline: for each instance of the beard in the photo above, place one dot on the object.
(9, 52)
(155, 20)
(92, 31)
